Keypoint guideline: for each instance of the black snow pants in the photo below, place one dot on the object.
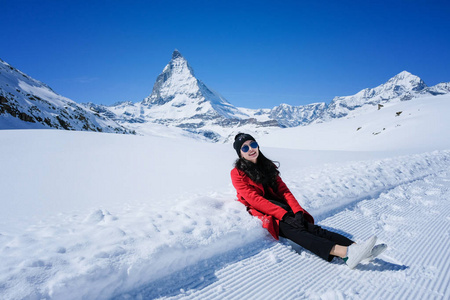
(314, 238)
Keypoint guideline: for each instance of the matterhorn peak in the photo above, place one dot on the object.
(177, 77)
(176, 54)
(178, 93)
(178, 64)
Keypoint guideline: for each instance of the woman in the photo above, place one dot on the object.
(260, 188)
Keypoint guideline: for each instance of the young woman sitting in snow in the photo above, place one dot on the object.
(260, 188)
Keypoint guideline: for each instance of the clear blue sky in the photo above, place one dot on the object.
(255, 53)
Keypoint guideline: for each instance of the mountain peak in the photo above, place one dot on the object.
(405, 81)
(176, 78)
(404, 75)
(403, 86)
(179, 94)
(176, 54)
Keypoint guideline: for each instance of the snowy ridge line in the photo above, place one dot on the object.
(396, 216)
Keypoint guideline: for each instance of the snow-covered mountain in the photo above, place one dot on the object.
(402, 87)
(179, 99)
(28, 103)
(292, 116)
(178, 94)
(286, 115)
(440, 89)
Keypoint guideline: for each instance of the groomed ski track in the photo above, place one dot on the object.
(412, 218)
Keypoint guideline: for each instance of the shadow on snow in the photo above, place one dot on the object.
(194, 277)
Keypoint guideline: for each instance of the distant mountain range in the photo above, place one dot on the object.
(180, 100)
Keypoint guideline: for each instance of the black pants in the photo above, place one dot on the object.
(314, 238)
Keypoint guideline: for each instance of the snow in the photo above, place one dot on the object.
(42, 92)
(104, 216)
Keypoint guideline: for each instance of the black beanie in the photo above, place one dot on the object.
(240, 139)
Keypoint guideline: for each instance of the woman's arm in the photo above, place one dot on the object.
(284, 192)
(250, 194)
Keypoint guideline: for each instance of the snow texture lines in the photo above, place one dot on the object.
(327, 190)
(418, 244)
(412, 218)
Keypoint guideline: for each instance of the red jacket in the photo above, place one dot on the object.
(251, 194)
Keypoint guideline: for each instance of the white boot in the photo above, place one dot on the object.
(357, 252)
(376, 250)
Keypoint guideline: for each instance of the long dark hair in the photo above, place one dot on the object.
(265, 171)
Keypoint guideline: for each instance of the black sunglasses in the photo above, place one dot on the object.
(245, 148)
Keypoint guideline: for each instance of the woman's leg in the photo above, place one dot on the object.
(316, 244)
(337, 238)
(317, 240)
(340, 251)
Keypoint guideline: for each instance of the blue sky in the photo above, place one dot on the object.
(255, 53)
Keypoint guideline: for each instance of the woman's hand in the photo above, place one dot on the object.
(296, 220)
(300, 219)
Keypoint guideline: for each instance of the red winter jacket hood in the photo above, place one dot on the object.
(251, 194)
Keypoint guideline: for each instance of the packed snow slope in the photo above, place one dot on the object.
(105, 216)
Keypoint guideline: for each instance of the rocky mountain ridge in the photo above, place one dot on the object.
(28, 103)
